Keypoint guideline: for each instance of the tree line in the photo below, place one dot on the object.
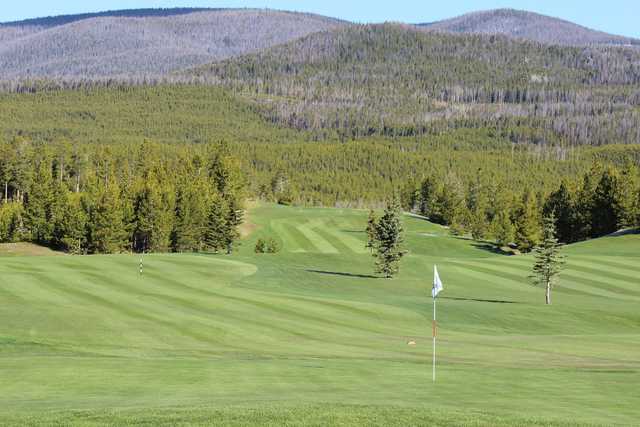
(111, 199)
(602, 201)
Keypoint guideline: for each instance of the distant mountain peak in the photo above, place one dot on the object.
(528, 26)
(144, 42)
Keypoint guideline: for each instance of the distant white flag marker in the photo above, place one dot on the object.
(437, 283)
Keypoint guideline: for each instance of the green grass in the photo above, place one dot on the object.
(308, 337)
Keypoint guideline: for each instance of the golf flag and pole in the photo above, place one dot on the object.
(437, 287)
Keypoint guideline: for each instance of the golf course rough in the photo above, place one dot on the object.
(309, 336)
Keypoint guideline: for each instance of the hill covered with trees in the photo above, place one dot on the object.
(149, 144)
(392, 80)
(528, 26)
(130, 44)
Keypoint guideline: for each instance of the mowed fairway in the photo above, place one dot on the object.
(309, 337)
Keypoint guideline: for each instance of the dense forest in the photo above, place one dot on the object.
(158, 168)
(393, 80)
(85, 198)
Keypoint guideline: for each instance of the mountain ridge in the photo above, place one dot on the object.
(527, 25)
(151, 43)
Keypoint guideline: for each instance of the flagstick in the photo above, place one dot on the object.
(434, 340)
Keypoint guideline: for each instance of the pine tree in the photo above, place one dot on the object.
(191, 213)
(560, 204)
(502, 228)
(428, 195)
(527, 223)
(71, 231)
(477, 209)
(606, 212)
(39, 203)
(389, 238)
(451, 204)
(216, 233)
(627, 184)
(371, 230)
(583, 207)
(234, 217)
(106, 226)
(153, 218)
(548, 260)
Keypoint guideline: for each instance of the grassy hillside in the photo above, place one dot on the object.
(307, 336)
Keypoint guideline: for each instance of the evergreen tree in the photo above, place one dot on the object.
(502, 228)
(216, 232)
(428, 196)
(234, 217)
(389, 238)
(583, 221)
(106, 232)
(191, 213)
(636, 209)
(527, 223)
(10, 222)
(451, 203)
(606, 212)
(560, 205)
(153, 218)
(477, 202)
(72, 228)
(371, 230)
(627, 188)
(39, 203)
(548, 261)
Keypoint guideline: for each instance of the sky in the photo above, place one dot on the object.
(613, 16)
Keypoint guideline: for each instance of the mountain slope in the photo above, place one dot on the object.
(144, 43)
(529, 26)
(395, 80)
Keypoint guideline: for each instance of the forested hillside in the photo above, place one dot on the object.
(473, 180)
(392, 80)
(529, 26)
(143, 43)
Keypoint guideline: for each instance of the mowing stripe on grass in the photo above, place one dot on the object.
(354, 244)
(572, 282)
(606, 272)
(294, 240)
(335, 241)
(623, 265)
(602, 283)
(318, 241)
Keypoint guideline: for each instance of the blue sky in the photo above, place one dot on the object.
(614, 16)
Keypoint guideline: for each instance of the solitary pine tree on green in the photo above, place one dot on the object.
(389, 237)
(548, 260)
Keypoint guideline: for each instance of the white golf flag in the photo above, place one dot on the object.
(437, 283)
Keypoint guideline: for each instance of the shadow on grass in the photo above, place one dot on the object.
(493, 301)
(354, 231)
(337, 273)
(492, 247)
